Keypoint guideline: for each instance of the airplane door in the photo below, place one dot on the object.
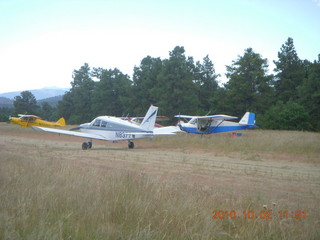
(204, 125)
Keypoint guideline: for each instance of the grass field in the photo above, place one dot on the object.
(262, 185)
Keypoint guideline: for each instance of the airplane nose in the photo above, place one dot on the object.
(13, 120)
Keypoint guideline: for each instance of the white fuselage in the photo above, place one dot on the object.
(114, 129)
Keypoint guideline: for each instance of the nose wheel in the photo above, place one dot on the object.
(86, 145)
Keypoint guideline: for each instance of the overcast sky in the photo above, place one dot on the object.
(42, 42)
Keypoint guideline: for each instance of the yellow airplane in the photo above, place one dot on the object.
(32, 120)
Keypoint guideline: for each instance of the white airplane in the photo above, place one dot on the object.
(215, 123)
(115, 129)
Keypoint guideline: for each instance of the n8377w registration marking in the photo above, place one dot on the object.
(124, 135)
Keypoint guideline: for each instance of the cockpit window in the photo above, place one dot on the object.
(103, 124)
(193, 121)
(96, 123)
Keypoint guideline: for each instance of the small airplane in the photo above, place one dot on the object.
(215, 123)
(138, 120)
(33, 120)
(116, 129)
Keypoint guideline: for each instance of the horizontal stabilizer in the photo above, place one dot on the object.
(170, 130)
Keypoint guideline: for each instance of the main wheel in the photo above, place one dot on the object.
(130, 145)
(85, 146)
(90, 145)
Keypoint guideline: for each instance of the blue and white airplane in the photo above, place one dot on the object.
(115, 129)
(215, 123)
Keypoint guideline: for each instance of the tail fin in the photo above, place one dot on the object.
(248, 119)
(61, 122)
(150, 119)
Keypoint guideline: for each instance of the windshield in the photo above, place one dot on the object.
(96, 123)
(99, 123)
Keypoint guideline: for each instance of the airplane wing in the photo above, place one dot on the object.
(71, 133)
(171, 130)
(213, 117)
(218, 117)
(28, 116)
(86, 135)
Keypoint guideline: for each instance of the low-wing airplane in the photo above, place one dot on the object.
(116, 129)
(32, 120)
(215, 123)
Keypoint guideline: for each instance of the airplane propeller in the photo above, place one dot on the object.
(179, 123)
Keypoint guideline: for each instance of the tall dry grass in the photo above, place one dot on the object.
(290, 143)
(46, 199)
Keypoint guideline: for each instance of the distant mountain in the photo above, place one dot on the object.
(53, 101)
(39, 94)
(6, 102)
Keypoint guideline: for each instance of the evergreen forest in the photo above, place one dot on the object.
(289, 99)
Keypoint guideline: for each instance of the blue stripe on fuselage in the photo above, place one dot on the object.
(216, 129)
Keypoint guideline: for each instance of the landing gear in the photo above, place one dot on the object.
(130, 144)
(86, 145)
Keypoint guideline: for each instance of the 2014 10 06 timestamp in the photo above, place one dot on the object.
(263, 214)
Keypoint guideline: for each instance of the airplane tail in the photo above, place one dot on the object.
(248, 119)
(61, 122)
(150, 119)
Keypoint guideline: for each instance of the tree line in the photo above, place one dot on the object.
(287, 100)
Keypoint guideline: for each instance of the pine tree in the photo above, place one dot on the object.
(290, 72)
(145, 84)
(176, 90)
(249, 87)
(206, 79)
(76, 104)
(26, 103)
(309, 93)
(111, 92)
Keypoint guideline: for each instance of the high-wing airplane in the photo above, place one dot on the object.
(32, 120)
(116, 129)
(215, 123)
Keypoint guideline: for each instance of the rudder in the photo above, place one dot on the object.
(150, 119)
(248, 119)
(61, 122)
